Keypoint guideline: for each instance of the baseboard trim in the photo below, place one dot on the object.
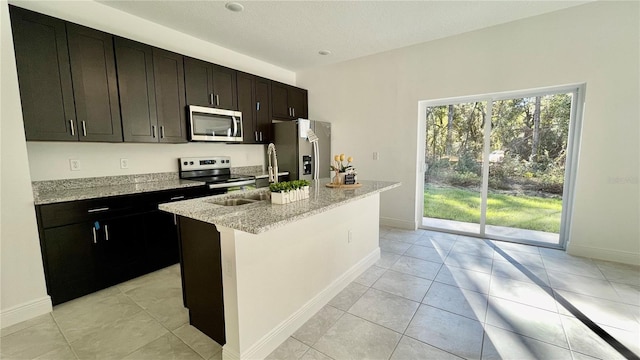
(625, 257)
(228, 354)
(263, 347)
(397, 223)
(25, 311)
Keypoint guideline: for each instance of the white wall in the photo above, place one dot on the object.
(23, 287)
(23, 294)
(373, 105)
(50, 160)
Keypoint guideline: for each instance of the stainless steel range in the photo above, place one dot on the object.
(215, 171)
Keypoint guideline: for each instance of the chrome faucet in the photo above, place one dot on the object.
(273, 170)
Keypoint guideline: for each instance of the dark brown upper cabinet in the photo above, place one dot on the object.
(44, 74)
(208, 84)
(67, 79)
(95, 89)
(254, 103)
(288, 102)
(152, 99)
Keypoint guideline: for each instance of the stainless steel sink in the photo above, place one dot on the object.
(258, 197)
(234, 202)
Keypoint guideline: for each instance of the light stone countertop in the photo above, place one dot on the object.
(261, 216)
(62, 195)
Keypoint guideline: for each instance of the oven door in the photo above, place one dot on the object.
(209, 124)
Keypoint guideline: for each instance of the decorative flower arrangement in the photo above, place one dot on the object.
(289, 191)
(341, 169)
(338, 163)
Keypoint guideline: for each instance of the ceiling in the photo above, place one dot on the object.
(289, 34)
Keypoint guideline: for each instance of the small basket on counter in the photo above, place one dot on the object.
(289, 191)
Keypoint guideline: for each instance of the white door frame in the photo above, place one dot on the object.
(571, 165)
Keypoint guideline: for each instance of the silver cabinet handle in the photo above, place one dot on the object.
(258, 106)
(106, 232)
(95, 239)
(290, 112)
(211, 98)
(73, 130)
(98, 209)
(175, 219)
(294, 111)
(177, 197)
(153, 130)
(255, 133)
(162, 132)
(260, 135)
(217, 100)
(84, 128)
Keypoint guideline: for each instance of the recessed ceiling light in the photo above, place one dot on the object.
(324, 52)
(234, 6)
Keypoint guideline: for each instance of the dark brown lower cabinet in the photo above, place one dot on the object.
(70, 258)
(89, 245)
(201, 268)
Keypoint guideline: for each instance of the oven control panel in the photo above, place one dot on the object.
(204, 163)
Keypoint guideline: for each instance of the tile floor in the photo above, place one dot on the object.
(139, 319)
(430, 296)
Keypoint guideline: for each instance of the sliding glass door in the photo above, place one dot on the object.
(497, 166)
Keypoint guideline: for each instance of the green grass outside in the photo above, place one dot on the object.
(523, 212)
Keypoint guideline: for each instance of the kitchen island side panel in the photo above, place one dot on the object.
(282, 277)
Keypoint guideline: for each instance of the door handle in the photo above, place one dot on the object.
(258, 106)
(177, 197)
(294, 111)
(217, 100)
(106, 232)
(290, 112)
(162, 132)
(98, 209)
(84, 128)
(255, 133)
(260, 135)
(73, 131)
(95, 239)
(175, 219)
(153, 131)
(211, 98)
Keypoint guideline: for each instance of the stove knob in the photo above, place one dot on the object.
(227, 161)
(214, 161)
(190, 162)
(185, 163)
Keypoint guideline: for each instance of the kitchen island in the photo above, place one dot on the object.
(276, 265)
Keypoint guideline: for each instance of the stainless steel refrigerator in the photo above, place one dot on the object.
(295, 153)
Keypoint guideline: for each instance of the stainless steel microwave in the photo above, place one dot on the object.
(210, 124)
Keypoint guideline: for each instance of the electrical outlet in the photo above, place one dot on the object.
(349, 236)
(124, 163)
(74, 164)
(375, 155)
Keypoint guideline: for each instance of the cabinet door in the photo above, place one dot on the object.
(198, 83)
(95, 88)
(134, 63)
(122, 248)
(246, 105)
(162, 240)
(42, 59)
(170, 96)
(279, 101)
(263, 110)
(70, 261)
(298, 102)
(224, 88)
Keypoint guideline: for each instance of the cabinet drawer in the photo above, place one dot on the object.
(78, 211)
